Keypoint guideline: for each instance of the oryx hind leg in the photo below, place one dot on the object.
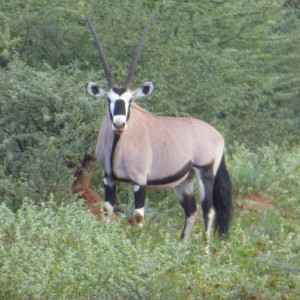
(205, 177)
(185, 194)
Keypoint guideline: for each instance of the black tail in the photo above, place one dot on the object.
(222, 200)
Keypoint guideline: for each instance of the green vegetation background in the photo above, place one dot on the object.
(235, 64)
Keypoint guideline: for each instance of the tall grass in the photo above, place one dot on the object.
(50, 252)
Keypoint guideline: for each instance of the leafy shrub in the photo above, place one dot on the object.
(236, 64)
(64, 252)
(270, 169)
(47, 124)
(253, 172)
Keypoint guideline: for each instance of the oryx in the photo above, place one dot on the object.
(150, 151)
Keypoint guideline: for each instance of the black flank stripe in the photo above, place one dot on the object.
(172, 178)
(161, 181)
(115, 141)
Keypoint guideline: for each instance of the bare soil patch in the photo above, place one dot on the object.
(257, 202)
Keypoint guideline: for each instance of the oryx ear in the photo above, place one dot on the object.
(143, 91)
(95, 91)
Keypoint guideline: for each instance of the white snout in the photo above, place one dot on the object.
(119, 123)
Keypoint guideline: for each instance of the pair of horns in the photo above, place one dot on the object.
(108, 73)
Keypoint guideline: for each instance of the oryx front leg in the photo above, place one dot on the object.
(139, 200)
(110, 197)
(185, 194)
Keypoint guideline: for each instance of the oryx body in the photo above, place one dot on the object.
(157, 151)
(151, 151)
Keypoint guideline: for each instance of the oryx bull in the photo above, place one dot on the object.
(149, 151)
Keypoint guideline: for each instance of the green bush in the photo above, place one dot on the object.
(47, 124)
(235, 64)
(65, 253)
(270, 169)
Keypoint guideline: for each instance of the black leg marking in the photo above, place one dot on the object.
(139, 199)
(140, 196)
(207, 178)
(110, 194)
(185, 194)
(189, 205)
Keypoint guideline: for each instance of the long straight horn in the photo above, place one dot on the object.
(137, 54)
(108, 73)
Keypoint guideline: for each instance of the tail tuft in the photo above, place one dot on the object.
(222, 199)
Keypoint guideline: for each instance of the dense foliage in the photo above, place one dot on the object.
(235, 64)
(47, 124)
(66, 253)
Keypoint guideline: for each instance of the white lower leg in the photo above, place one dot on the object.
(189, 224)
(139, 216)
(211, 216)
(108, 209)
(210, 222)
